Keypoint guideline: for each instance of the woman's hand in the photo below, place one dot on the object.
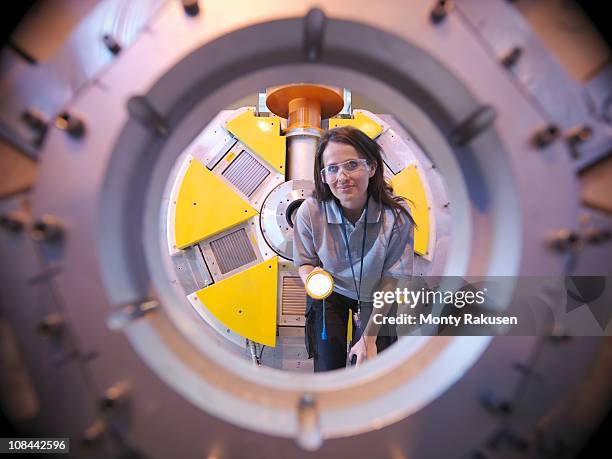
(364, 349)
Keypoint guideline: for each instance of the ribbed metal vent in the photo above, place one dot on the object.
(293, 297)
(233, 251)
(246, 173)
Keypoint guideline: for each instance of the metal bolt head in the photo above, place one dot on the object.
(113, 396)
(112, 44)
(563, 239)
(191, 7)
(73, 126)
(598, 235)
(93, 434)
(579, 135)
(47, 228)
(440, 10)
(510, 59)
(13, 221)
(34, 120)
(51, 325)
(545, 136)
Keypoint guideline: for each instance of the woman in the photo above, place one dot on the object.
(352, 208)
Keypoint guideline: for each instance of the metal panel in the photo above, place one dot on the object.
(233, 251)
(191, 270)
(246, 173)
(293, 301)
(246, 302)
(262, 135)
(198, 214)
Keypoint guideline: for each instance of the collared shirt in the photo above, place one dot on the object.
(389, 249)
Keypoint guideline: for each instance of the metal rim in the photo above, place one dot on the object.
(189, 80)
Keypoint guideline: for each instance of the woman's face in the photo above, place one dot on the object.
(350, 188)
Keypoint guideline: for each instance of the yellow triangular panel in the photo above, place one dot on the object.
(205, 206)
(409, 185)
(246, 302)
(361, 122)
(262, 135)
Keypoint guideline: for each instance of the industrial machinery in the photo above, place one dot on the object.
(234, 260)
(125, 114)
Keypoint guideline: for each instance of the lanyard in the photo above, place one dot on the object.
(365, 228)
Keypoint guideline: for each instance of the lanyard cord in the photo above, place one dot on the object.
(365, 229)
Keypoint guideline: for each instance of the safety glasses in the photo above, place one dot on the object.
(331, 173)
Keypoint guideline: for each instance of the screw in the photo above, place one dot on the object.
(598, 235)
(73, 126)
(579, 134)
(34, 120)
(510, 59)
(51, 325)
(13, 221)
(562, 240)
(37, 123)
(576, 136)
(93, 433)
(545, 137)
(47, 228)
(191, 7)
(440, 10)
(113, 396)
(112, 44)
(495, 404)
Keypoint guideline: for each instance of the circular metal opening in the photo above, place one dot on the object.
(190, 359)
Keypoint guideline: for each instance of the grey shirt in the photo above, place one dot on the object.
(389, 249)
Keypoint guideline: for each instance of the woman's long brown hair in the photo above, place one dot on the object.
(378, 188)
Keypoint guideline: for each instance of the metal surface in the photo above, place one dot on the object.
(275, 219)
(252, 316)
(361, 121)
(198, 214)
(431, 77)
(246, 173)
(301, 151)
(261, 135)
(232, 251)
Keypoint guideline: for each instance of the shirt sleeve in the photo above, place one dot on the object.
(303, 243)
(400, 251)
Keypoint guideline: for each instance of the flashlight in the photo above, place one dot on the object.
(319, 284)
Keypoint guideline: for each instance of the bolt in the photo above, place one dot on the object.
(47, 228)
(93, 433)
(37, 123)
(126, 315)
(579, 134)
(473, 125)
(73, 126)
(598, 235)
(440, 10)
(51, 325)
(13, 221)
(309, 435)
(34, 120)
(495, 404)
(314, 31)
(113, 396)
(112, 44)
(576, 136)
(562, 240)
(510, 59)
(545, 136)
(191, 7)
